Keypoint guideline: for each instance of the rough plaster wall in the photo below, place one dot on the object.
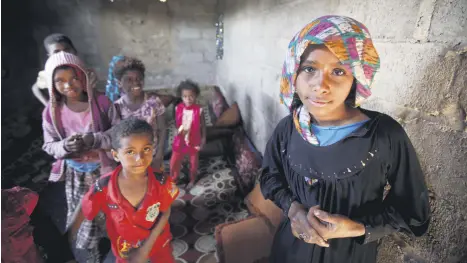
(422, 83)
(175, 40)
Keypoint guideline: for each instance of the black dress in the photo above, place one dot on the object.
(347, 178)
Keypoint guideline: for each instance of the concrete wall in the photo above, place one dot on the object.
(175, 40)
(422, 83)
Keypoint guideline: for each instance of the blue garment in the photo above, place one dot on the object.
(111, 89)
(82, 167)
(328, 135)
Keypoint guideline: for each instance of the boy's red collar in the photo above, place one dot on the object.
(114, 190)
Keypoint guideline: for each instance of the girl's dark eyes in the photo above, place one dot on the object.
(308, 69)
(336, 72)
(132, 79)
(61, 80)
(339, 72)
(131, 152)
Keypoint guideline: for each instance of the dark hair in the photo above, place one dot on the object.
(57, 38)
(351, 98)
(296, 102)
(129, 127)
(188, 85)
(129, 64)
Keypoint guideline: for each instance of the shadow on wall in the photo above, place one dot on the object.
(244, 103)
(20, 58)
(441, 95)
(260, 114)
(249, 114)
(440, 127)
(21, 112)
(434, 117)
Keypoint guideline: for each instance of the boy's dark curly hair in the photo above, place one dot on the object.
(129, 127)
(57, 38)
(129, 64)
(188, 85)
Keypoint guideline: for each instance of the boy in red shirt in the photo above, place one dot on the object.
(136, 201)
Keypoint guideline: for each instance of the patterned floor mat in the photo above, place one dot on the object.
(195, 214)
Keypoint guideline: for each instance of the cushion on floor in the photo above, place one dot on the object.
(257, 205)
(246, 241)
(218, 104)
(230, 117)
(247, 161)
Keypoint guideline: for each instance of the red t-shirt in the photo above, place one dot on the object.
(128, 227)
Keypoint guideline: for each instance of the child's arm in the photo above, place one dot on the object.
(161, 131)
(102, 140)
(168, 194)
(140, 255)
(92, 75)
(178, 123)
(41, 84)
(93, 200)
(162, 134)
(53, 145)
(89, 207)
(38, 94)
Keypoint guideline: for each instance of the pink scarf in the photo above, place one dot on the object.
(179, 143)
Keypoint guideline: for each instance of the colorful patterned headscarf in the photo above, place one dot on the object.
(112, 90)
(350, 42)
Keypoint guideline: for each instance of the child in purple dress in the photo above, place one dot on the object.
(134, 102)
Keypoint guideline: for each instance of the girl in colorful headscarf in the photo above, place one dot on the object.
(112, 91)
(343, 176)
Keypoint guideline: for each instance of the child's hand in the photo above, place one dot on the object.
(88, 140)
(74, 143)
(135, 256)
(92, 78)
(181, 131)
(203, 142)
(338, 226)
(157, 162)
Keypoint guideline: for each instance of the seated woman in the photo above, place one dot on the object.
(328, 164)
